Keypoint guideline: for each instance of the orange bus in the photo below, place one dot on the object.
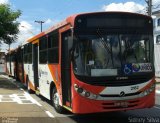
(93, 62)
(11, 63)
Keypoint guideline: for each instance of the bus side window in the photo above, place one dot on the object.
(43, 50)
(53, 43)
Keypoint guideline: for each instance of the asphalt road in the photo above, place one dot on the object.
(17, 106)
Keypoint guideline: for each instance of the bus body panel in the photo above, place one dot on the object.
(48, 74)
(12, 68)
(20, 72)
(82, 104)
(29, 74)
(54, 73)
(45, 80)
(11, 63)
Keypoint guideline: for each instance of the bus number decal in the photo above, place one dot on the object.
(134, 87)
(142, 67)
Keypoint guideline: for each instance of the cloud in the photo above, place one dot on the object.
(49, 23)
(156, 5)
(25, 32)
(4, 1)
(25, 26)
(28, 30)
(127, 7)
(156, 2)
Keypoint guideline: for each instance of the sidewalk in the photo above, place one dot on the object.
(157, 85)
(16, 103)
(7, 85)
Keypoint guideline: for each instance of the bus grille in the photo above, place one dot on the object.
(120, 82)
(112, 81)
(112, 106)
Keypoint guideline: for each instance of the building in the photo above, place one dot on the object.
(156, 19)
(2, 57)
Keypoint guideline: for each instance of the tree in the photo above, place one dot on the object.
(8, 24)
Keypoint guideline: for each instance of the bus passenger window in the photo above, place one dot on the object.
(43, 50)
(53, 48)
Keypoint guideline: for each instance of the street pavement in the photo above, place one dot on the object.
(17, 106)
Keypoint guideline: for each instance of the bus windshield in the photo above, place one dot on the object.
(112, 55)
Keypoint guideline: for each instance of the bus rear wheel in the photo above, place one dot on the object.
(55, 101)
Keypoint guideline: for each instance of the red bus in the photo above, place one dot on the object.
(93, 62)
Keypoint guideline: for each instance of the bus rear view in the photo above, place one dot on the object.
(112, 62)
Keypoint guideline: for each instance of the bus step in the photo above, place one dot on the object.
(37, 92)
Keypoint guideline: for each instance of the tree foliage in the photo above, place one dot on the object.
(8, 24)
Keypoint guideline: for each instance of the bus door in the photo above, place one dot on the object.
(66, 69)
(21, 65)
(35, 65)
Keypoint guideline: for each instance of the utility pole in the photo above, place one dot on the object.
(40, 22)
(149, 8)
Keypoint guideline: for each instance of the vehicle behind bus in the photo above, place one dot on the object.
(11, 63)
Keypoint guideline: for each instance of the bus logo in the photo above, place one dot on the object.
(122, 94)
(127, 68)
(136, 67)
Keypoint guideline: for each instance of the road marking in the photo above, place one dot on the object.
(25, 97)
(30, 98)
(5, 76)
(21, 89)
(49, 114)
(157, 107)
(17, 99)
(21, 98)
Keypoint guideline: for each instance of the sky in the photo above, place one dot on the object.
(54, 11)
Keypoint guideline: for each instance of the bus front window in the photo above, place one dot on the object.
(105, 55)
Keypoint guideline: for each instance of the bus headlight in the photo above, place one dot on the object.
(80, 90)
(148, 91)
(84, 92)
(87, 94)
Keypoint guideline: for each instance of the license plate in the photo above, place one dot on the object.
(121, 104)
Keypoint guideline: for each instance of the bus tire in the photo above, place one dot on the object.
(55, 101)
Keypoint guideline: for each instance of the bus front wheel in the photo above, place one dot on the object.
(55, 101)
